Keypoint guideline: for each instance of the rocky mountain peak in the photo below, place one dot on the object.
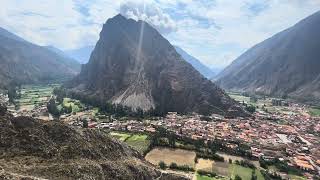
(134, 65)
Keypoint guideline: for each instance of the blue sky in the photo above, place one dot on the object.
(214, 31)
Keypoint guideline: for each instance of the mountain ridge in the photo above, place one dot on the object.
(24, 62)
(282, 65)
(146, 72)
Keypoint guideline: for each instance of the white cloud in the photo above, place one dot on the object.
(149, 12)
(215, 31)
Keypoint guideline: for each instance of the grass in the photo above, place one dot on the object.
(314, 111)
(138, 142)
(73, 103)
(120, 136)
(243, 172)
(199, 177)
(294, 177)
(34, 95)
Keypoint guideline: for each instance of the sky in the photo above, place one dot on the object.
(214, 31)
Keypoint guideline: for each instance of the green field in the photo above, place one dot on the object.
(76, 105)
(243, 172)
(314, 111)
(34, 95)
(121, 136)
(139, 142)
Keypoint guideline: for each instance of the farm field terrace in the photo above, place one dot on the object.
(31, 96)
(139, 142)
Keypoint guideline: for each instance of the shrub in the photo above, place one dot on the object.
(206, 173)
(162, 165)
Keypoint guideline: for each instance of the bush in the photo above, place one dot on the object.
(237, 177)
(206, 173)
(230, 161)
(173, 166)
(215, 157)
(162, 165)
(181, 168)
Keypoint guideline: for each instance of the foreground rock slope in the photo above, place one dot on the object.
(34, 149)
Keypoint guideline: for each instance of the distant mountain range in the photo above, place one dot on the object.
(24, 62)
(82, 55)
(203, 69)
(146, 73)
(287, 64)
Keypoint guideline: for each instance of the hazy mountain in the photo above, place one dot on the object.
(82, 55)
(285, 64)
(203, 69)
(24, 62)
(5, 33)
(35, 149)
(146, 72)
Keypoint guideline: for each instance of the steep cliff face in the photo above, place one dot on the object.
(24, 62)
(133, 65)
(285, 64)
(35, 149)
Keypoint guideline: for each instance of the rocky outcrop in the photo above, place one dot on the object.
(133, 65)
(34, 149)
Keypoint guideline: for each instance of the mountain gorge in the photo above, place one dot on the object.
(286, 64)
(82, 55)
(133, 65)
(24, 62)
(203, 69)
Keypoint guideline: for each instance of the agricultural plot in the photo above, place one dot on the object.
(138, 142)
(76, 105)
(120, 136)
(204, 164)
(168, 156)
(243, 172)
(33, 96)
(314, 111)
(234, 158)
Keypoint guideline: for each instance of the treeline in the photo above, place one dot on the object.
(281, 165)
(106, 107)
(245, 163)
(175, 166)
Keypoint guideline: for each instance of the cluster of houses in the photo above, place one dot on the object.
(269, 139)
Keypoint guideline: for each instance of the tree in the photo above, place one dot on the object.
(52, 108)
(172, 139)
(173, 165)
(85, 123)
(254, 176)
(162, 165)
(237, 177)
(12, 94)
(251, 108)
